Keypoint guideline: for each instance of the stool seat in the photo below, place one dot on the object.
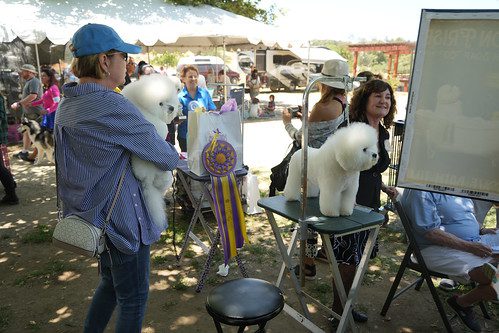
(244, 302)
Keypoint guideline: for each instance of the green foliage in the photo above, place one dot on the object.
(51, 270)
(248, 8)
(5, 317)
(376, 62)
(41, 234)
(337, 46)
(169, 59)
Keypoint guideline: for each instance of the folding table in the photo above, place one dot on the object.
(184, 174)
(361, 219)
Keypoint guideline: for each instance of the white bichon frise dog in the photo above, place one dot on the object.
(156, 97)
(333, 169)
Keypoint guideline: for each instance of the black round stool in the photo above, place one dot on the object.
(244, 302)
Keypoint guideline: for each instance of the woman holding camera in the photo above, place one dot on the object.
(326, 115)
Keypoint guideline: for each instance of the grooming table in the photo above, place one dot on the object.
(184, 174)
(361, 219)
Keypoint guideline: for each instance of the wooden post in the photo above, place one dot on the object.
(355, 58)
(389, 69)
(396, 64)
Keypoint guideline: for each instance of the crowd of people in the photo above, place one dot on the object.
(94, 120)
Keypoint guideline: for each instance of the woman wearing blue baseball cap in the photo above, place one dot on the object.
(97, 131)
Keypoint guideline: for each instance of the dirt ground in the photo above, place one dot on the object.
(44, 289)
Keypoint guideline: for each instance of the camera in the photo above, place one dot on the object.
(294, 111)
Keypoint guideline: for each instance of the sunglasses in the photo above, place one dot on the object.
(123, 54)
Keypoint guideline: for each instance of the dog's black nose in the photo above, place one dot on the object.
(375, 155)
(171, 108)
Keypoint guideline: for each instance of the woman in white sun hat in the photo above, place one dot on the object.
(326, 115)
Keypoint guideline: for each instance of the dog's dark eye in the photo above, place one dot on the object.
(364, 150)
(160, 103)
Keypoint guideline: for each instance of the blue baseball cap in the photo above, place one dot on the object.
(97, 38)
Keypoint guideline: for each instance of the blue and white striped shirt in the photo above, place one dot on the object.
(96, 131)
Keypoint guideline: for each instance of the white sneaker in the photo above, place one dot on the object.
(492, 273)
(448, 284)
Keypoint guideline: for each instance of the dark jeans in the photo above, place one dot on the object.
(182, 142)
(124, 282)
(6, 178)
(171, 133)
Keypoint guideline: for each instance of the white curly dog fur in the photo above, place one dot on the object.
(333, 169)
(156, 97)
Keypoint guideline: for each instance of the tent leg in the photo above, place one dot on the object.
(38, 61)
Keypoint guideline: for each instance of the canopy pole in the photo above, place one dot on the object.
(308, 63)
(38, 61)
(225, 71)
(148, 56)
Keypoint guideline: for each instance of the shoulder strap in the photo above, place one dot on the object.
(343, 105)
(108, 217)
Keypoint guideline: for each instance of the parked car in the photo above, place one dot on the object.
(204, 63)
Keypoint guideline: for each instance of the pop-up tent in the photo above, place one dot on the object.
(152, 24)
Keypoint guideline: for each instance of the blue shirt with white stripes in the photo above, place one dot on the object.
(96, 132)
(202, 99)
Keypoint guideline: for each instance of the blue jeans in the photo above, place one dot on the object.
(124, 282)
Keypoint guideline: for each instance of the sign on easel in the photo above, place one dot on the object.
(451, 140)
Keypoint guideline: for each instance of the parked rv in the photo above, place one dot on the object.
(205, 63)
(289, 69)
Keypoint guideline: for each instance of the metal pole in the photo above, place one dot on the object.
(225, 71)
(38, 61)
(304, 163)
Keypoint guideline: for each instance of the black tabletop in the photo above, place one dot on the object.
(182, 166)
(291, 210)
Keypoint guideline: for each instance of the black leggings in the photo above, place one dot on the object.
(6, 178)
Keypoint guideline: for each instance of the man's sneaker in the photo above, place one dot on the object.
(310, 272)
(448, 284)
(492, 272)
(21, 155)
(466, 314)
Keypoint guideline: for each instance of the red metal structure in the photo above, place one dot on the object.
(394, 50)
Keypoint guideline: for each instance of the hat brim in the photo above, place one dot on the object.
(129, 48)
(330, 83)
(29, 70)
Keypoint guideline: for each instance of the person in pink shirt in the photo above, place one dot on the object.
(50, 99)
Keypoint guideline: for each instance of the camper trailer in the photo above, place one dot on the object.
(289, 69)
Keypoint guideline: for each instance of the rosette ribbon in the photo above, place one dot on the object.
(219, 159)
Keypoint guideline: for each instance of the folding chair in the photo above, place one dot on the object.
(418, 264)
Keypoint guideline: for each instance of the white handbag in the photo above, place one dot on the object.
(79, 236)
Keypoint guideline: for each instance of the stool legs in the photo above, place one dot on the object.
(218, 326)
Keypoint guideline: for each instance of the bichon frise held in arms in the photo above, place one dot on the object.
(156, 97)
(333, 169)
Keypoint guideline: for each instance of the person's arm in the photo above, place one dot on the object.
(26, 101)
(445, 239)
(129, 127)
(55, 95)
(294, 133)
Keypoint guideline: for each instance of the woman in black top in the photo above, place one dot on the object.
(373, 103)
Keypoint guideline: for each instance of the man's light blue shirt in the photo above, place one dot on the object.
(428, 211)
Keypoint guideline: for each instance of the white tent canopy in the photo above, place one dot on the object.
(315, 55)
(150, 23)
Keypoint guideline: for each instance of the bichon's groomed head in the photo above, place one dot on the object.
(356, 147)
(155, 94)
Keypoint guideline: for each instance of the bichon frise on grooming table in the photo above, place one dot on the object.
(333, 169)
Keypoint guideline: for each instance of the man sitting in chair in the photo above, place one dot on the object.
(452, 243)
